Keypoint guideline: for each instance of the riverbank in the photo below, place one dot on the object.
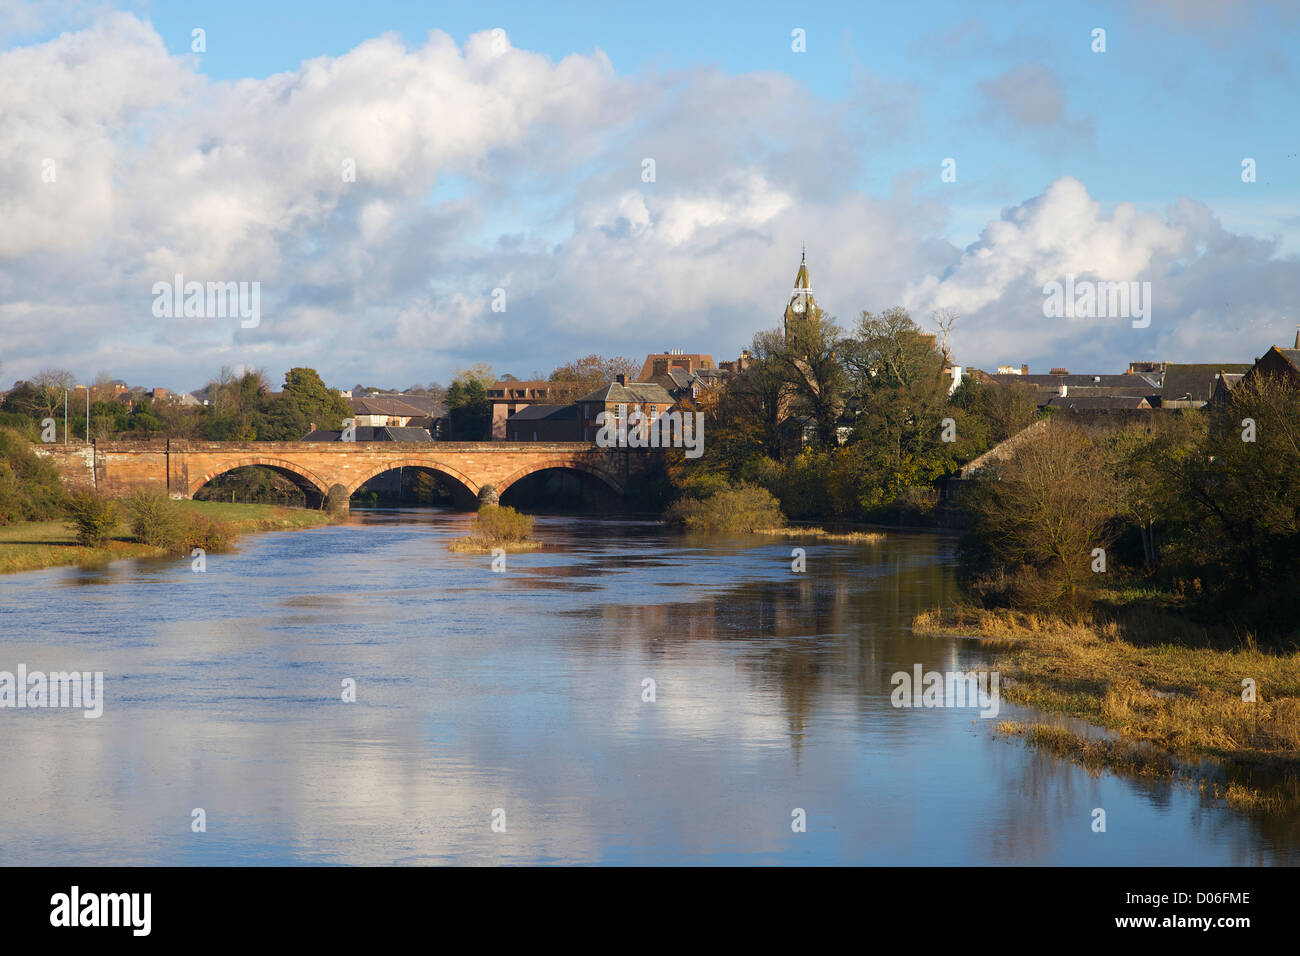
(1172, 693)
(33, 545)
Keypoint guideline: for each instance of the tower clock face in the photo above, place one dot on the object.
(798, 305)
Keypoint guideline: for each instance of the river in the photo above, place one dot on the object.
(500, 718)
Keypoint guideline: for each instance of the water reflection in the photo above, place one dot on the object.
(523, 691)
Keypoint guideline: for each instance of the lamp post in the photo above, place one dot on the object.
(65, 416)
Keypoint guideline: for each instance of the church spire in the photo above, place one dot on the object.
(801, 277)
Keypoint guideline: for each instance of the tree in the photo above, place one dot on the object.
(1243, 489)
(22, 399)
(944, 320)
(478, 372)
(806, 356)
(237, 406)
(898, 396)
(52, 385)
(309, 401)
(107, 418)
(1146, 458)
(748, 418)
(998, 410)
(1035, 523)
(574, 379)
(469, 412)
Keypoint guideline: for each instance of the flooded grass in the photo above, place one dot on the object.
(821, 534)
(472, 544)
(1178, 687)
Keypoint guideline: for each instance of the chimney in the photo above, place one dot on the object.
(311, 428)
(622, 379)
(1024, 370)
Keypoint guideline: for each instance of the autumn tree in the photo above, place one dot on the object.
(807, 358)
(574, 379)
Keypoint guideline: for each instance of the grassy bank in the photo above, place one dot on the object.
(1171, 692)
(32, 545)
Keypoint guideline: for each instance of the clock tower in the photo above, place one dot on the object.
(802, 307)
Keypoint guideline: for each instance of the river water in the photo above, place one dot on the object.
(517, 699)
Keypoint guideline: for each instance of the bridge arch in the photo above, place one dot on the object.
(470, 485)
(318, 484)
(570, 462)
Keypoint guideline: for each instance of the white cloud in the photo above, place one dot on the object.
(1185, 253)
(162, 171)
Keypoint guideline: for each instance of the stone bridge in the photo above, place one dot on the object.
(183, 467)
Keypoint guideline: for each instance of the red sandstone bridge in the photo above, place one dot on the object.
(181, 468)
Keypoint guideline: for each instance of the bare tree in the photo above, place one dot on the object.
(944, 320)
(50, 385)
(575, 379)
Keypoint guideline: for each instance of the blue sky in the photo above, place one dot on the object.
(1125, 164)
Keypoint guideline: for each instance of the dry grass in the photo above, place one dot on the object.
(32, 545)
(1175, 686)
(473, 544)
(862, 537)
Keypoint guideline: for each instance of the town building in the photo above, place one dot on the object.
(385, 411)
(1192, 386)
(618, 400)
(543, 423)
(1278, 363)
(511, 397)
(665, 363)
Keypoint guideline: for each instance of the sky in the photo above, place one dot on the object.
(419, 187)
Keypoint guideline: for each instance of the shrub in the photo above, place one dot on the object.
(20, 423)
(30, 489)
(743, 509)
(155, 519)
(206, 533)
(94, 516)
(501, 525)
